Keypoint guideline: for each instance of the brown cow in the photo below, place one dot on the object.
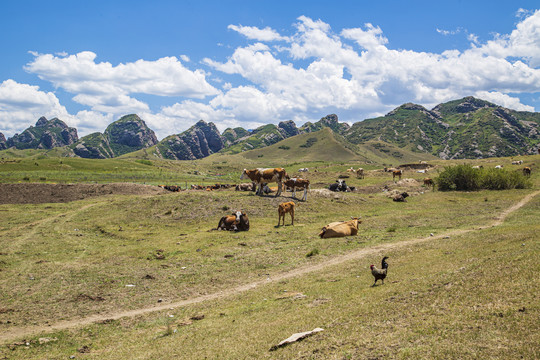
(340, 229)
(360, 173)
(297, 183)
(261, 176)
(527, 171)
(429, 182)
(238, 221)
(400, 197)
(283, 208)
(396, 173)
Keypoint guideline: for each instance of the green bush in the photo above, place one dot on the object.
(459, 177)
(465, 178)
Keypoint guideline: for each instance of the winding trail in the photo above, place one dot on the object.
(23, 332)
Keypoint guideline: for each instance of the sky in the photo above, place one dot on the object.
(250, 63)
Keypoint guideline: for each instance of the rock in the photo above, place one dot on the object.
(295, 337)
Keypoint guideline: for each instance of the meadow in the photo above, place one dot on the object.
(146, 276)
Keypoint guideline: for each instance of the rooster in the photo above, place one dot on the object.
(380, 274)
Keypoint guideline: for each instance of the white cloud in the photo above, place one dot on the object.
(81, 75)
(21, 105)
(254, 33)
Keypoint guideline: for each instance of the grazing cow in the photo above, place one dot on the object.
(396, 173)
(261, 176)
(359, 173)
(340, 229)
(339, 185)
(246, 187)
(283, 208)
(400, 197)
(297, 183)
(517, 162)
(351, 170)
(303, 170)
(498, 167)
(429, 182)
(527, 171)
(238, 221)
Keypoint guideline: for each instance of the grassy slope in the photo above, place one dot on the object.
(450, 298)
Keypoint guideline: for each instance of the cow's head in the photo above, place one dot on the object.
(244, 174)
(238, 214)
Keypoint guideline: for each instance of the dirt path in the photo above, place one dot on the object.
(18, 333)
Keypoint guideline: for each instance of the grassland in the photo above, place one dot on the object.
(469, 291)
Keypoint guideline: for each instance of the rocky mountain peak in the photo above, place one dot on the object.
(3, 144)
(42, 121)
(47, 134)
(289, 127)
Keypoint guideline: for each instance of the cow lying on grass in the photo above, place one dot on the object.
(400, 197)
(340, 229)
(283, 208)
(238, 221)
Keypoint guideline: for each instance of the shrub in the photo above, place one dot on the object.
(312, 253)
(459, 177)
(465, 178)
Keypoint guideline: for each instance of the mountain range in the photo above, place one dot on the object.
(464, 128)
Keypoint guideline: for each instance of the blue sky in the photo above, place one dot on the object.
(248, 63)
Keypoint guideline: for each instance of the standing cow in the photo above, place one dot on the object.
(260, 176)
(297, 183)
(283, 208)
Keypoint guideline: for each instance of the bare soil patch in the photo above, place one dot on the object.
(37, 193)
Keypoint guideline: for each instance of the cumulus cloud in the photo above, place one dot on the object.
(103, 86)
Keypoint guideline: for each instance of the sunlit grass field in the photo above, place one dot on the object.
(462, 296)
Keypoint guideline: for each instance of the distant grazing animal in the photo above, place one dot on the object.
(478, 167)
(396, 173)
(527, 171)
(174, 188)
(498, 167)
(238, 221)
(297, 183)
(380, 274)
(429, 182)
(350, 170)
(261, 176)
(517, 162)
(360, 173)
(283, 208)
(339, 185)
(423, 162)
(400, 197)
(303, 170)
(340, 228)
(246, 187)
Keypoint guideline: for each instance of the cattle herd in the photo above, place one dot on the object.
(258, 180)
